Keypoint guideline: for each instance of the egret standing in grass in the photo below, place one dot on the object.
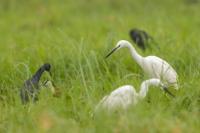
(153, 66)
(125, 96)
(30, 90)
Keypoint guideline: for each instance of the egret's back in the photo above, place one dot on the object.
(122, 97)
(155, 67)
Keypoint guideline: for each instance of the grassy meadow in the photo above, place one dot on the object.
(74, 37)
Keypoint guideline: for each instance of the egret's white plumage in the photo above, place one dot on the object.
(124, 96)
(153, 66)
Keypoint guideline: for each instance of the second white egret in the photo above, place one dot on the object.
(126, 95)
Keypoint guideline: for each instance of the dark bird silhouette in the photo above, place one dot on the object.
(140, 37)
(190, 2)
(30, 89)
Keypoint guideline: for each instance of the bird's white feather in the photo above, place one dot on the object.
(153, 66)
(125, 96)
(156, 67)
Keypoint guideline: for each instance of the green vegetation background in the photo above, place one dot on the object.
(74, 36)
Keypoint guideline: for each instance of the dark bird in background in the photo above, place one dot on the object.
(140, 38)
(30, 89)
(190, 2)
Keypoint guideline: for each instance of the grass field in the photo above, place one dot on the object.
(74, 36)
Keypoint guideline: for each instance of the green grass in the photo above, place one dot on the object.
(74, 36)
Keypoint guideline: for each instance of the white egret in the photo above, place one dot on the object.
(153, 66)
(125, 96)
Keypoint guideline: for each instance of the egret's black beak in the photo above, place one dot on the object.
(168, 92)
(112, 51)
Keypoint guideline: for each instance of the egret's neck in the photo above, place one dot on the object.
(143, 90)
(146, 84)
(138, 58)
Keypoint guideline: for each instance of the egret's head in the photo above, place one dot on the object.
(120, 44)
(158, 82)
